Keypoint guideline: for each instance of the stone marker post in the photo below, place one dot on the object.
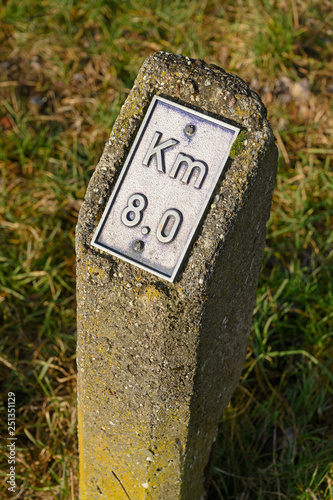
(169, 246)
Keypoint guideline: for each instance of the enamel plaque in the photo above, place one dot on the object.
(164, 187)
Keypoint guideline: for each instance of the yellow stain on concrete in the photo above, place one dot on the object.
(82, 482)
(106, 470)
(152, 293)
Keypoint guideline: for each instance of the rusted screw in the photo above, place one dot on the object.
(138, 246)
(190, 130)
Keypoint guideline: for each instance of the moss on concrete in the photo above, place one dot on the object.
(238, 145)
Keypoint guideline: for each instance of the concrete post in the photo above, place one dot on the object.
(162, 337)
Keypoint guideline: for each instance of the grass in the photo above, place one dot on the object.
(65, 69)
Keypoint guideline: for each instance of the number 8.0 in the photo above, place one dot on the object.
(169, 224)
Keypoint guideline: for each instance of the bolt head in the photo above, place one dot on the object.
(190, 130)
(138, 246)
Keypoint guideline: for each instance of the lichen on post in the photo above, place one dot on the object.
(161, 350)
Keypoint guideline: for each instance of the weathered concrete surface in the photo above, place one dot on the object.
(158, 361)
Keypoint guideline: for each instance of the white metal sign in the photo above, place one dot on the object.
(164, 187)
